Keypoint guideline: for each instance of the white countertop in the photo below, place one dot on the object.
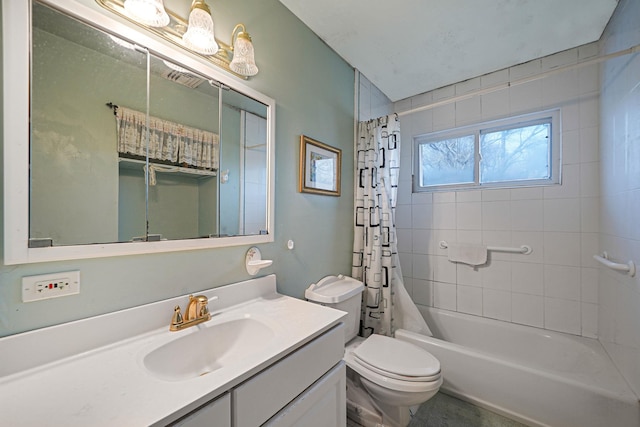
(109, 385)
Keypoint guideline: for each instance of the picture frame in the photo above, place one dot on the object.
(320, 166)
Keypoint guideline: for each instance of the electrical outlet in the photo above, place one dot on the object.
(51, 285)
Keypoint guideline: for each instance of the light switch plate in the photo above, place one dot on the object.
(53, 285)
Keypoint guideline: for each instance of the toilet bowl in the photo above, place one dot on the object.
(394, 374)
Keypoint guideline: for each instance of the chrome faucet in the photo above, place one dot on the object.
(197, 311)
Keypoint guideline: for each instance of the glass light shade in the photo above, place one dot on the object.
(243, 61)
(147, 12)
(199, 36)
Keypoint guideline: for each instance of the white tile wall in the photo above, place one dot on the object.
(444, 295)
(372, 103)
(469, 215)
(527, 278)
(469, 300)
(496, 304)
(556, 287)
(616, 317)
(423, 292)
(562, 315)
(468, 275)
(527, 309)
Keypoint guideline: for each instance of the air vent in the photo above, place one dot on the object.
(184, 79)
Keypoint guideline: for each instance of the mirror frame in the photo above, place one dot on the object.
(16, 32)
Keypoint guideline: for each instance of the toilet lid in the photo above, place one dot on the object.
(398, 359)
(404, 378)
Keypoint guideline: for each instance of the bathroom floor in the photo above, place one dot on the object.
(443, 410)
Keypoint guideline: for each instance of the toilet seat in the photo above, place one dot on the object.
(396, 376)
(395, 364)
(391, 383)
(398, 359)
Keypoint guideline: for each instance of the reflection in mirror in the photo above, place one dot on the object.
(243, 165)
(77, 189)
(183, 158)
(74, 166)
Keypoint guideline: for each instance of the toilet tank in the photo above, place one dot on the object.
(342, 293)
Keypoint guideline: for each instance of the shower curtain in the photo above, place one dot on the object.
(386, 305)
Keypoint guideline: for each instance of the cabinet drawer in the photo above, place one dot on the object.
(255, 401)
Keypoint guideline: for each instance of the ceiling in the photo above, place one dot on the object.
(414, 46)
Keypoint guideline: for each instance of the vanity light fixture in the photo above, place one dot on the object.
(195, 33)
(147, 12)
(243, 61)
(199, 36)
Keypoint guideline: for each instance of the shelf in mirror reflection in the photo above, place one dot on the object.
(162, 168)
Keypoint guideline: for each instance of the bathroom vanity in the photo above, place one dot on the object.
(263, 358)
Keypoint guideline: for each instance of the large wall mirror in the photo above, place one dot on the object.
(112, 148)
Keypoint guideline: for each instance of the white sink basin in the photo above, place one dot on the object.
(206, 348)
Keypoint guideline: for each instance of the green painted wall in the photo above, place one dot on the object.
(313, 89)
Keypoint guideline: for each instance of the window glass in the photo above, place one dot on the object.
(522, 150)
(515, 154)
(449, 161)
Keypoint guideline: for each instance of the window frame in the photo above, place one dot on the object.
(477, 129)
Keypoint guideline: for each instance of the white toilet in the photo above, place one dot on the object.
(385, 376)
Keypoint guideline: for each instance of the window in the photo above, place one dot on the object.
(519, 151)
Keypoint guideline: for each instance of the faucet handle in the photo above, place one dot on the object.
(201, 306)
(177, 318)
(204, 310)
(205, 306)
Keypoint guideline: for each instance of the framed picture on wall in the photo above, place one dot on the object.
(320, 166)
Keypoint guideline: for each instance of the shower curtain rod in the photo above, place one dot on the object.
(506, 85)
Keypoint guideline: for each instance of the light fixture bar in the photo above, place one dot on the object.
(173, 33)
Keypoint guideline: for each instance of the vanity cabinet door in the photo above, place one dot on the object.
(265, 394)
(321, 405)
(215, 413)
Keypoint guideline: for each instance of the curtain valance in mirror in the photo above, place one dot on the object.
(168, 141)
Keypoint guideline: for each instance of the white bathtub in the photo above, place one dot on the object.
(535, 376)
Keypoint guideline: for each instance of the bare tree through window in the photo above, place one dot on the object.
(513, 151)
(515, 154)
(450, 161)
